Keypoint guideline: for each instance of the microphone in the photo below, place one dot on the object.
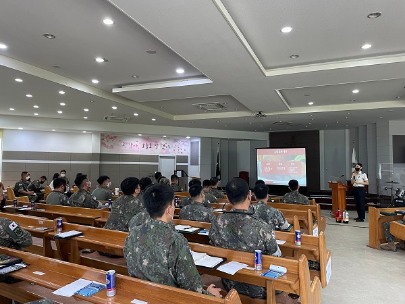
(341, 176)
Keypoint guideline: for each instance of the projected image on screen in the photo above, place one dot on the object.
(279, 166)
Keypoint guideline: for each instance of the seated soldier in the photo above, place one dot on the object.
(164, 180)
(102, 192)
(13, 236)
(158, 176)
(57, 196)
(37, 187)
(154, 251)
(261, 210)
(83, 198)
(126, 206)
(145, 182)
(214, 188)
(21, 187)
(391, 239)
(239, 230)
(207, 188)
(175, 183)
(196, 211)
(187, 201)
(294, 197)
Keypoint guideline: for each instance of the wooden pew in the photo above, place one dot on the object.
(31, 224)
(398, 230)
(376, 221)
(11, 196)
(85, 216)
(58, 274)
(100, 222)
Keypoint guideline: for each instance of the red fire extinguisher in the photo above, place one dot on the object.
(338, 216)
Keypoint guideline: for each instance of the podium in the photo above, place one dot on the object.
(338, 197)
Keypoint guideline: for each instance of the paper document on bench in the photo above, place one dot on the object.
(328, 270)
(203, 259)
(232, 267)
(280, 242)
(186, 228)
(68, 234)
(70, 289)
(204, 232)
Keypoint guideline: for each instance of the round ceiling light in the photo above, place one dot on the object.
(11, 109)
(18, 80)
(29, 95)
(95, 81)
(294, 56)
(3, 46)
(355, 91)
(311, 103)
(153, 119)
(286, 29)
(108, 21)
(136, 114)
(366, 46)
(114, 108)
(180, 71)
(49, 36)
(100, 59)
(36, 107)
(374, 15)
(62, 92)
(60, 112)
(63, 104)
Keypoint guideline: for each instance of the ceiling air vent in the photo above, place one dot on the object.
(116, 118)
(211, 106)
(285, 123)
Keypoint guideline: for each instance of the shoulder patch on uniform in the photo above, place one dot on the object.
(13, 226)
(94, 197)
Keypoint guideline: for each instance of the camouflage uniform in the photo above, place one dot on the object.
(36, 186)
(176, 188)
(197, 212)
(239, 230)
(13, 236)
(388, 236)
(187, 201)
(83, 199)
(57, 198)
(138, 219)
(294, 197)
(217, 193)
(102, 194)
(23, 186)
(122, 211)
(209, 197)
(154, 251)
(270, 215)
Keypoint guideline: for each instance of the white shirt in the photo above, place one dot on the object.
(359, 177)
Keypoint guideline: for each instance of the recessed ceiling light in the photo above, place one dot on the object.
(135, 76)
(63, 104)
(36, 114)
(139, 134)
(49, 36)
(56, 66)
(188, 137)
(355, 91)
(374, 15)
(18, 80)
(164, 135)
(390, 110)
(36, 107)
(180, 71)
(153, 119)
(286, 29)
(53, 130)
(95, 81)
(84, 131)
(310, 123)
(3, 46)
(381, 117)
(61, 92)
(108, 21)
(151, 52)
(60, 112)
(29, 95)
(20, 128)
(11, 109)
(136, 114)
(294, 56)
(101, 59)
(85, 117)
(114, 108)
(85, 110)
(366, 46)
(311, 103)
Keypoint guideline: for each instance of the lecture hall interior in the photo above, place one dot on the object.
(248, 89)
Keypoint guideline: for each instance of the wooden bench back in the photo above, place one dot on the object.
(192, 223)
(26, 220)
(11, 196)
(398, 230)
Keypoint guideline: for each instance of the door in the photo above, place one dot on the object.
(167, 165)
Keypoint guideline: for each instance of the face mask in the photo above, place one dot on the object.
(89, 184)
(42, 182)
(27, 178)
(62, 175)
(109, 185)
(357, 169)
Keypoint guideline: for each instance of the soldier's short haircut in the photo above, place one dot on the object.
(157, 198)
(158, 175)
(77, 174)
(194, 182)
(293, 184)
(145, 182)
(214, 181)
(173, 177)
(57, 182)
(102, 179)
(44, 177)
(55, 175)
(79, 180)
(261, 191)
(63, 171)
(206, 183)
(129, 185)
(195, 190)
(237, 190)
(23, 173)
(259, 182)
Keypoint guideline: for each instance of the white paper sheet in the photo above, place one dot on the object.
(280, 242)
(182, 227)
(232, 267)
(70, 289)
(315, 231)
(135, 301)
(328, 270)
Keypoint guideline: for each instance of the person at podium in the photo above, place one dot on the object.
(359, 180)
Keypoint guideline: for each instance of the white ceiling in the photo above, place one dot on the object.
(235, 45)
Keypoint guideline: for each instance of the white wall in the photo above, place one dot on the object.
(39, 141)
